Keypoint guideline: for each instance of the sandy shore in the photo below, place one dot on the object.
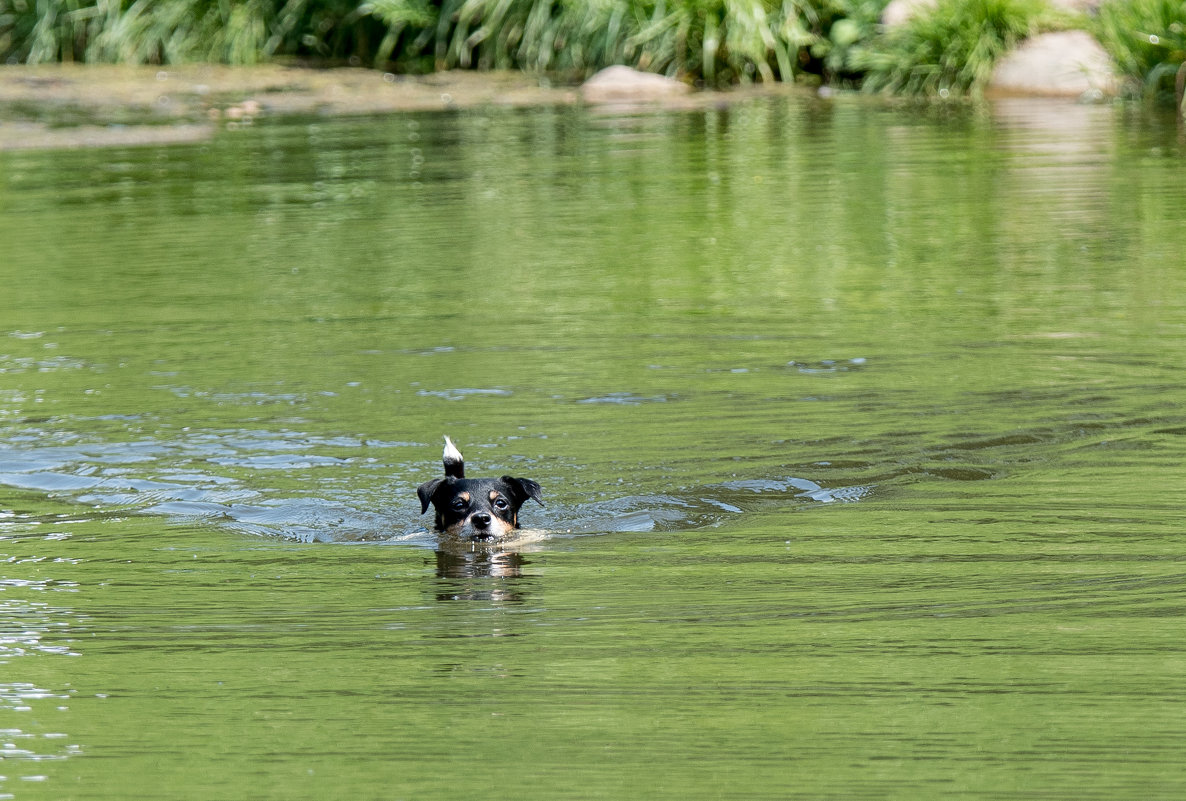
(69, 105)
(99, 105)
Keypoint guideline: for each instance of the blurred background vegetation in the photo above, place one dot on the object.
(953, 48)
(946, 49)
(1147, 38)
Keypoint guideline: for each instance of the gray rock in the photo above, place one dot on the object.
(1086, 6)
(1066, 64)
(625, 85)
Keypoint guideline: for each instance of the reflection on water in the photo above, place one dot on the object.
(34, 727)
(480, 574)
(859, 426)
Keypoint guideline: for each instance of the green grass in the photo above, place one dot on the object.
(175, 31)
(717, 41)
(714, 40)
(1147, 38)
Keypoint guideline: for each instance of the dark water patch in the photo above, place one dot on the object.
(1027, 438)
(950, 473)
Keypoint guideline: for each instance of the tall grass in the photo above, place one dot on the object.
(173, 31)
(952, 48)
(714, 40)
(1147, 38)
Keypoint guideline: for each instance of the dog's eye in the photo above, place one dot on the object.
(459, 505)
(500, 503)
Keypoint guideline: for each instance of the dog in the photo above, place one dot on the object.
(475, 509)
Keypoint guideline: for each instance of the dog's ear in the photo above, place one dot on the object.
(524, 488)
(426, 491)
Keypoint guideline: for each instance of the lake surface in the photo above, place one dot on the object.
(861, 432)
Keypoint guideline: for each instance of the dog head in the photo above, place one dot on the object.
(478, 509)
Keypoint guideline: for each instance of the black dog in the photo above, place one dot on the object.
(478, 509)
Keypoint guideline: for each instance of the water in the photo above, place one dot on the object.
(860, 429)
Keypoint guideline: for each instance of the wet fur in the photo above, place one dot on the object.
(477, 509)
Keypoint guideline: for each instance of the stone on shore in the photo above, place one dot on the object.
(625, 85)
(899, 12)
(1062, 64)
(1085, 6)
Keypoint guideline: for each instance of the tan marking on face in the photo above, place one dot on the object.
(493, 496)
(464, 496)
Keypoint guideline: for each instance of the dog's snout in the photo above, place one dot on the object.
(482, 531)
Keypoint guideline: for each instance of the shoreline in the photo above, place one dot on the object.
(76, 105)
(62, 106)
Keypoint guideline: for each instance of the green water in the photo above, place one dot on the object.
(861, 432)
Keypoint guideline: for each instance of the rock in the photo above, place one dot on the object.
(1085, 6)
(1066, 63)
(625, 85)
(899, 12)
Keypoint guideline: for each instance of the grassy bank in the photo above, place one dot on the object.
(947, 50)
(718, 41)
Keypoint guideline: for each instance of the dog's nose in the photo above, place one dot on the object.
(481, 520)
